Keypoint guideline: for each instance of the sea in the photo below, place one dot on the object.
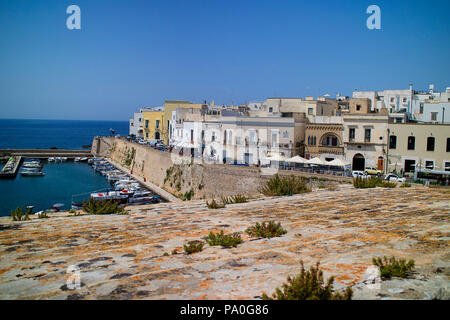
(62, 180)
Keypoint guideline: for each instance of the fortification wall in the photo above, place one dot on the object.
(179, 175)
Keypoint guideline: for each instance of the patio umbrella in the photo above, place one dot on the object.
(337, 163)
(276, 157)
(297, 159)
(315, 161)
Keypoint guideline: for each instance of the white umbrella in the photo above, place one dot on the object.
(276, 157)
(297, 159)
(337, 163)
(315, 161)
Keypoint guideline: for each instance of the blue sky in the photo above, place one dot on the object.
(130, 54)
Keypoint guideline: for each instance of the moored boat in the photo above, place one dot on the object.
(32, 173)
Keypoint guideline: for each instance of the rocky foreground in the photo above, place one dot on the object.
(130, 256)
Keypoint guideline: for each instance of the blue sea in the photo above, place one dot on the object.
(61, 180)
(63, 134)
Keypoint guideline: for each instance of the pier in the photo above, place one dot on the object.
(9, 174)
(44, 153)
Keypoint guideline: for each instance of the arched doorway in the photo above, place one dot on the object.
(157, 135)
(358, 162)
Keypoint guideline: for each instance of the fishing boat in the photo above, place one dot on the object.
(32, 173)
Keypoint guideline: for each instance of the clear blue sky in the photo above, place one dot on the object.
(130, 54)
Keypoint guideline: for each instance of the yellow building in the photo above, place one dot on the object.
(169, 107)
(153, 125)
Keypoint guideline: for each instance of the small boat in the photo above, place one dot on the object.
(63, 158)
(77, 159)
(51, 159)
(57, 206)
(83, 159)
(32, 165)
(32, 173)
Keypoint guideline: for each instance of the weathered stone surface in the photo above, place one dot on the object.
(122, 257)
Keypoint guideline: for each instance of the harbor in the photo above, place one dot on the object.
(62, 183)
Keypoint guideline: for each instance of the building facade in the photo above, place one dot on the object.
(422, 145)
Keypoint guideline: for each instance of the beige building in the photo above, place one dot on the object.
(365, 135)
(419, 144)
(324, 139)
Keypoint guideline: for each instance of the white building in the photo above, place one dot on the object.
(136, 125)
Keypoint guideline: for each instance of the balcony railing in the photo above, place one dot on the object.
(331, 149)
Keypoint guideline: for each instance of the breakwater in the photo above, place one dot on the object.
(44, 153)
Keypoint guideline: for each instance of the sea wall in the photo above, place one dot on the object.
(181, 176)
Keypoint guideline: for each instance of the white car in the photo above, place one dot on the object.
(394, 178)
(360, 174)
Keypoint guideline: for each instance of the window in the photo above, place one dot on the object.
(448, 145)
(192, 136)
(429, 165)
(286, 134)
(310, 111)
(309, 140)
(411, 143)
(315, 140)
(358, 107)
(157, 124)
(392, 99)
(352, 134)
(367, 135)
(410, 165)
(392, 142)
(330, 141)
(447, 166)
(270, 109)
(146, 135)
(146, 123)
(430, 144)
(421, 108)
(213, 136)
(404, 100)
(434, 116)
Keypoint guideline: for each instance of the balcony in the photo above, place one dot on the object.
(331, 150)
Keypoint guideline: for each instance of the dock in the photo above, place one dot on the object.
(10, 174)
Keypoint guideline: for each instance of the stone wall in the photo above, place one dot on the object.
(180, 176)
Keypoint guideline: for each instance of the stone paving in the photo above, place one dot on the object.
(123, 256)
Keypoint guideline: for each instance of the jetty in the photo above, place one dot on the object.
(44, 153)
(9, 171)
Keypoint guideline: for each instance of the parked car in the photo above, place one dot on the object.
(373, 171)
(155, 142)
(360, 174)
(394, 177)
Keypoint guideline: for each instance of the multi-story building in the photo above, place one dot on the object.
(422, 145)
(136, 125)
(169, 107)
(153, 124)
(324, 138)
(365, 135)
